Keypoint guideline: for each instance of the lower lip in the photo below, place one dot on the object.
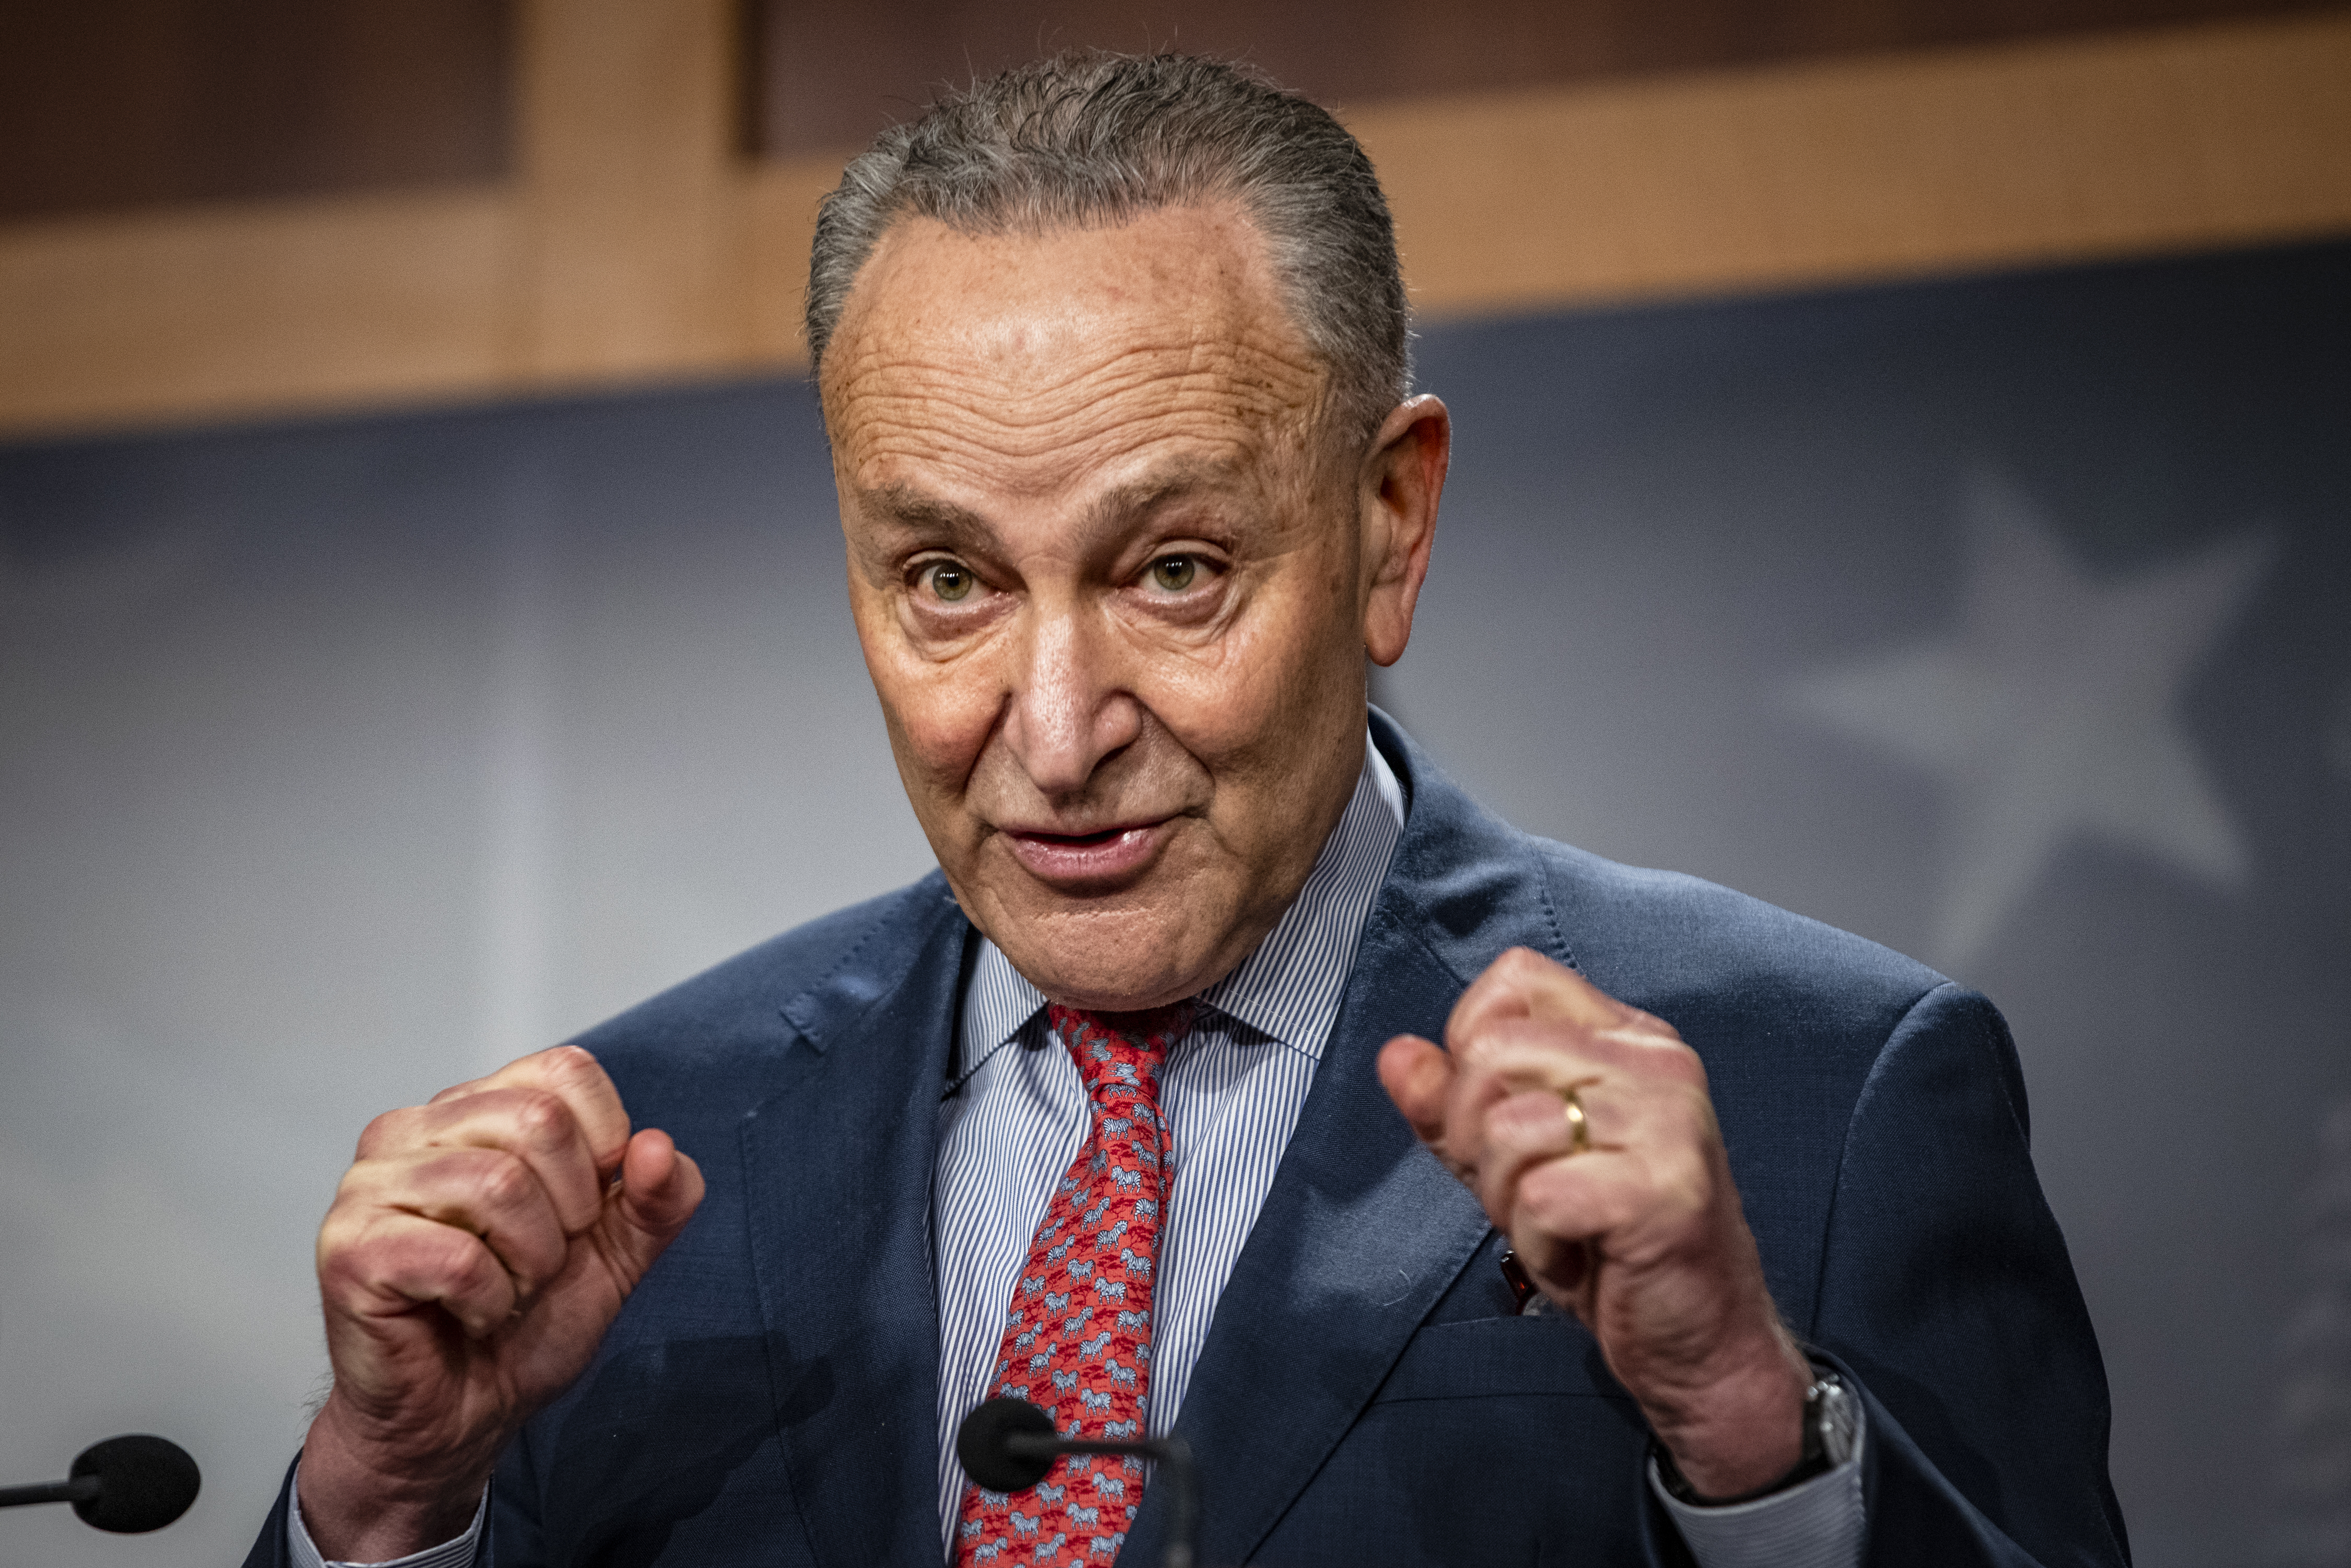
(1072, 861)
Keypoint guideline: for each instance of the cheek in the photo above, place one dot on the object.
(1223, 703)
(929, 707)
(940, 716)
(1253, 695)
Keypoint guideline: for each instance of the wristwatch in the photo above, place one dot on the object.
(1831, 1422)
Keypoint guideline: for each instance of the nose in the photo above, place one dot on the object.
(1070, 712)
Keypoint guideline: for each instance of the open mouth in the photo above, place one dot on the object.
(1107, 857)
(1077, 841)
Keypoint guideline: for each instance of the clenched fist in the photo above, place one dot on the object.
(476, 1253)
(1640, 1233)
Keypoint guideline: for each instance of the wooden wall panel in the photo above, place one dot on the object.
(632, 247)
(631, 188)
(106, 104)
(199, 313)
(1819, 173)
(824, 76)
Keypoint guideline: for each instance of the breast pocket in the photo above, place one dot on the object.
(1486, 1358)
(1493, 1440)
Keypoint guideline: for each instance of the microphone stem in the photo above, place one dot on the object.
(1174, 1453)
(81, 1488)
(1183, 1540)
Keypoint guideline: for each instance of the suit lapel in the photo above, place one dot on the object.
(1362, 1232)
(838, 1167)
(1359, 1236)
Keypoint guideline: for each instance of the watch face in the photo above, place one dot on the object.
(1835, 1418)
(1831, 1435)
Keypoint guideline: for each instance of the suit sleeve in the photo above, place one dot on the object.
(1946, 1293)
(271, 1548)
(283, 1543)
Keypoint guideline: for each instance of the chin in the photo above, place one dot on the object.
(1105, 963)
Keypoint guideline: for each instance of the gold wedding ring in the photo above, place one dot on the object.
(1579, 1128)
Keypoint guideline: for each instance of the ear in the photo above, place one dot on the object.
(1403, 479)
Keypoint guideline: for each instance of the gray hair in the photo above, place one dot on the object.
(1093, 139)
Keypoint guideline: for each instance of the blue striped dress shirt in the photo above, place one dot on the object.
(1011, 1123)
(1231, 1093)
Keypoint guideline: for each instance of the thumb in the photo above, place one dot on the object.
(660, 1187)
(1419, 1077)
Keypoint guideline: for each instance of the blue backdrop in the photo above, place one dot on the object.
(2006, 621)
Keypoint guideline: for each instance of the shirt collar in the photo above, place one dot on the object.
(1290, 987)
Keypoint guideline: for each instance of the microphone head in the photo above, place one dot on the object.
(143, 1483)
(983, 1444)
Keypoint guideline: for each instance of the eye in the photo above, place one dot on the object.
(1174, 573)
(949, 580)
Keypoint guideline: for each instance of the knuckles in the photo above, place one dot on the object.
(1682, 1187)
(437, 1252)
(570, 1066)
(540, 1117)
(501, 1180)
(417, 1258)
(1562, 1202)
(563, 1061)
(341, 1239)
(1676, 1062)
(1653, 1200)
(1659, 1179)
(1671, 1117)
(521, 1117)
(470, 1281)
(386, 1131)
(1525, 967)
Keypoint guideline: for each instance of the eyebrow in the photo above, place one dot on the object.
(1149, 494)
(918, 512)
(905, 505)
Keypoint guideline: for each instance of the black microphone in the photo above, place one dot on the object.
(127, 1485)
(1009, 1445)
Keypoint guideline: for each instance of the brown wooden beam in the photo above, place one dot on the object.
(2013, 156)
(636, 248)
(629, 191)
(825, 75)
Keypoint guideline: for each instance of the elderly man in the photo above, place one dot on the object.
(1708, 1234)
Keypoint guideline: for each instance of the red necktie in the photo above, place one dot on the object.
(1077, 1337)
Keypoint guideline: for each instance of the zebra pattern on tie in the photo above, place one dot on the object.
(1077, 1333)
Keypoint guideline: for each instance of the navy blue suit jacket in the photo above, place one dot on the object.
(1365, 1395)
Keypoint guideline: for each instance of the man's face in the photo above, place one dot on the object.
(1112, 576)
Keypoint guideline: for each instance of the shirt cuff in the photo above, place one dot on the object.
(453, 1553)
(1819, 1524)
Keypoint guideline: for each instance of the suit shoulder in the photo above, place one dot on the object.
(1794, 1019)
(1688, 949)
(734, 1009)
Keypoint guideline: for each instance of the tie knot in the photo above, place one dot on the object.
(1121, 1054)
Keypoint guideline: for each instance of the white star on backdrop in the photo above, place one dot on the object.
(2048, 712)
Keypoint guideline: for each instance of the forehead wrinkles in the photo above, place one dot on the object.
(1226, 396)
